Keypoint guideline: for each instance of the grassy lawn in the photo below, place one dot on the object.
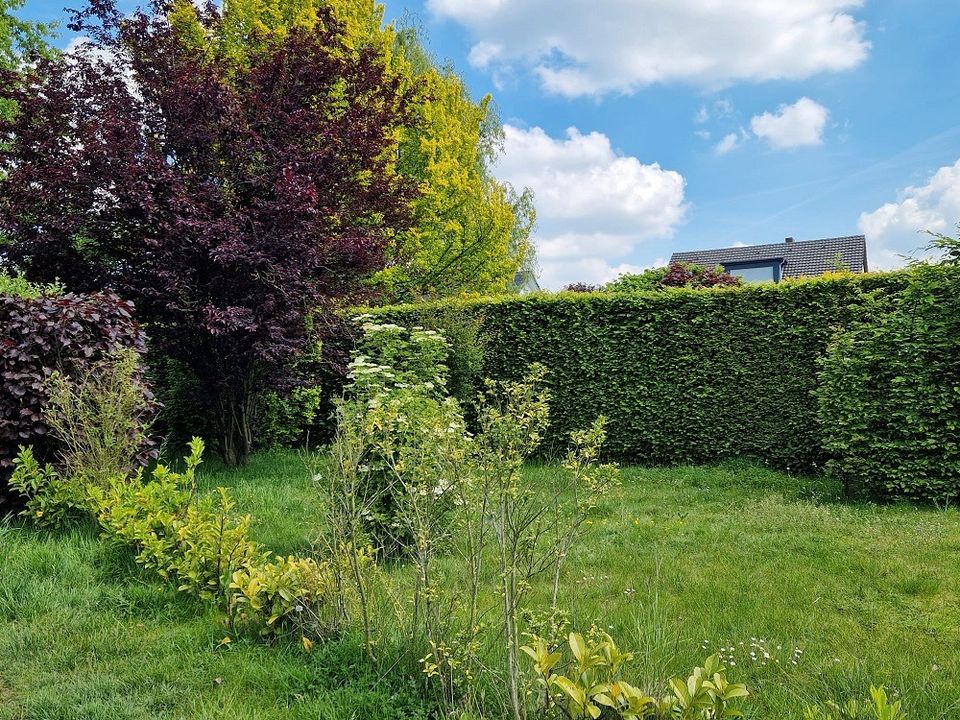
(682, 562)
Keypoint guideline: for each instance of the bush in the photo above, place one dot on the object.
(678, 274)
(681, 375)
(43, 335)
(890, 394)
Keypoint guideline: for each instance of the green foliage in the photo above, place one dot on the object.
(464, 360)
(878, 707)
(20, 40)
(681, 375)
(196, 543)
(287, 589)
(890, 393)
(649, 279)
(19, 286)
(398, 408)
(948, 248)
(589, 684)
(471, 232)
(102, 415)
(49, 498)
(285, 420)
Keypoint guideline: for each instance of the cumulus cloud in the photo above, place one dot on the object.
(582, 47)
(594, 205)
(791, 126)
(893, 229)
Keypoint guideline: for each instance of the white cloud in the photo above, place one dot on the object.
(594, 205)
(792, 125)
(729, 142)
(584, 47)
(893, 229)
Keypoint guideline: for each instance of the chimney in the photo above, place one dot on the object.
(789, 240)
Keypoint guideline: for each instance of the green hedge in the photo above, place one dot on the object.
(890, 394)
(683, 376)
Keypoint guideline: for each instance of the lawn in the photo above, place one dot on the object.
(680, 563)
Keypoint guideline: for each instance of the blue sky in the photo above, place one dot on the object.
(646, 127)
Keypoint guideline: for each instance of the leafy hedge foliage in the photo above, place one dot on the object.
(681, 375)
(40, 335)
(890, 398)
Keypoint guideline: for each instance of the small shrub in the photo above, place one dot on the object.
(49, 498)
(588, 684)
(102, 417)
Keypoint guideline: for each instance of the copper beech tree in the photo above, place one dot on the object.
(234, 202)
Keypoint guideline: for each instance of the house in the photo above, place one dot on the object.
(791, 258)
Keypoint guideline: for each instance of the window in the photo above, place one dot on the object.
(751, 272)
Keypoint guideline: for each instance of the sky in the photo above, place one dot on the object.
(646, 127)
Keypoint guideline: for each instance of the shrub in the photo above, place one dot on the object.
(589, 684)
(397, 402)
(889, 399)
(678, 274)
(102, 417)
(193, 540)
(681, 274)
(19, 286)
(43, 335)
(681, 375)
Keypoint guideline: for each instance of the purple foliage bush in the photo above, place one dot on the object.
(44, 334)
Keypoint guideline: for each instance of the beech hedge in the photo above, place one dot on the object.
(682, 375)
(39, 335)
(890, 394)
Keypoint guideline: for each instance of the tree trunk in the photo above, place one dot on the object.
(236, 415)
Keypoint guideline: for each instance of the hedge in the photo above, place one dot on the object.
(890, 394)
(39, 335)
(683, 376)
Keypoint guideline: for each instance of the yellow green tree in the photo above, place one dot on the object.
(471, 232)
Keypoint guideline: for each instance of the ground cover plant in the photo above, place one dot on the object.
(683, 558)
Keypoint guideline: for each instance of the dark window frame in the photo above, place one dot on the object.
(775, 264)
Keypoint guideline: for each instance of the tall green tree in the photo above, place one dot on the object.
(471, 232)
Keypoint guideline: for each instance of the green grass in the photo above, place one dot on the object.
(682, 558)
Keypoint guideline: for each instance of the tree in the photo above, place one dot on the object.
(19, 38)
(471, 232)
(236, 201)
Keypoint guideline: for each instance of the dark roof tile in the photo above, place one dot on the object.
(800, 258)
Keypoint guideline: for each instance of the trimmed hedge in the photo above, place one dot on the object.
(39, 335)
(890, 394)
(683, 376)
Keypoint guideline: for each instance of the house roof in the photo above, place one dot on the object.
(798, 258)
